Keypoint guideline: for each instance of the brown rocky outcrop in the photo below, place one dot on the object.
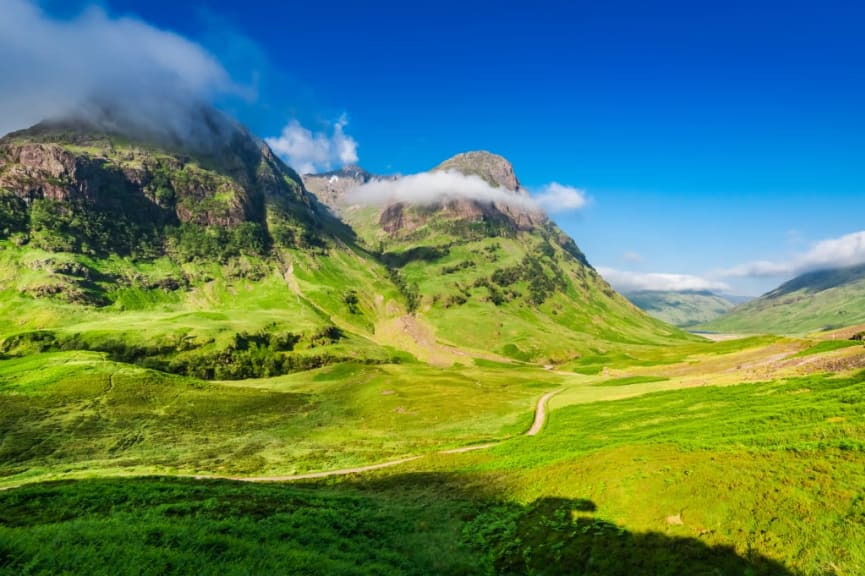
(224, 186)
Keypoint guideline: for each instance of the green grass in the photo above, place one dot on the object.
(775, 468)
(817, 301)
(628, 380)
(750, 479)
(827, 346)
(762, 478)
(72, 413)
(404, 524)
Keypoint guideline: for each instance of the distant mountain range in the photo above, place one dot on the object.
(820, 300)
(684, 309)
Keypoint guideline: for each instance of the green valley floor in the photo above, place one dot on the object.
(745, 456)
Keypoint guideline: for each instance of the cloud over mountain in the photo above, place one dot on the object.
(847, 250)
(556, 197)
(626, 281)
(102, 68)
(429, 188)
(309, 152)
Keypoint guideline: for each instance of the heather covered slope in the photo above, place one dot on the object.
(207, 260)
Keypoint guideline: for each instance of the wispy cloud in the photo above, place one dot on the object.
(626, 281)
(98, 66)
(848, 250)
(429, 188)
(309, 152)
(556, 197)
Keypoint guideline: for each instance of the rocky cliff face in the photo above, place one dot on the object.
(70, 163)
(492, 168)
(331, 187)
(496, 171)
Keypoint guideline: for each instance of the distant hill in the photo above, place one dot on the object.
(820, 300)
(682, 309)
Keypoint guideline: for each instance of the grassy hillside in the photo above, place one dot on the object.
(523, 286)
(757, 478)
(681, 308)
(249, 335)
(821, 300)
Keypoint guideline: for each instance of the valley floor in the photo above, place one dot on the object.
(745, 456)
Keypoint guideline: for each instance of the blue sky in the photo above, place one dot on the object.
(708, 135)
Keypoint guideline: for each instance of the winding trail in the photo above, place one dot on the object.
(313, 475)
(540, 414)
(537, 425)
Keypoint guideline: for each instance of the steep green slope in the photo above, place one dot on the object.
(495, 275)
(819, 300)
(209, 261)
(73, 187)
(214, 261)
(680, 308)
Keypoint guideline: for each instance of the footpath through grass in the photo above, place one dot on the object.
(69, 414)
(755, 478)
(775, 468)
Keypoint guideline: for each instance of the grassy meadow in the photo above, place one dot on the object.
(640, 469)
(128, 429)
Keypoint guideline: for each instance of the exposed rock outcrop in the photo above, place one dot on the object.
(228, 184)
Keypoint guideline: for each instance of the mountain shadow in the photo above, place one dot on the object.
(431, 523)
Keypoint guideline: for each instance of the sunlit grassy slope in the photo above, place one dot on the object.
(815, 301)
(757, 478)
(138, 387)
(515, 291)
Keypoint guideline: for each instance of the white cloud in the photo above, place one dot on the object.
(120, 70)
(309, 152)
(625, 281)
(848, 250)
(428, 188)
(555, 197)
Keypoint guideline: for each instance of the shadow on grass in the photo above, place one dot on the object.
(399, 524)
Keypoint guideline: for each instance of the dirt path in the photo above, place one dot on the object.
(540, 418)
(313, 475)
(537, 425)
(540, 414)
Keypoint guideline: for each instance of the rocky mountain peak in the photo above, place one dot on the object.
(496, 170)
(351, 172)
(330, 187)
(88, 172)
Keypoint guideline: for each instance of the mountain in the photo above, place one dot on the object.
(500, 268)
(74, 186)
(331, 187)
(681, 308)
(205, 258)
(212, 259)
(819, 300)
